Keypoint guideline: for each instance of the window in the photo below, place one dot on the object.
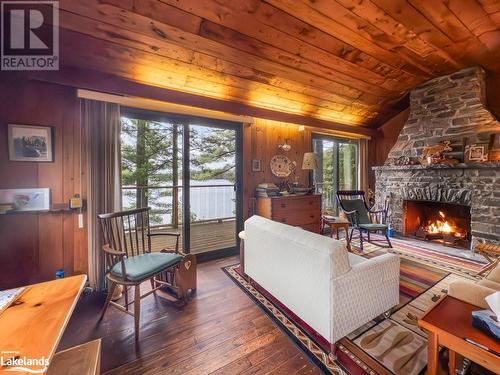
(338, 168)
(185, 169)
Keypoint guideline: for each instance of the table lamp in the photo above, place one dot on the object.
(310, 163)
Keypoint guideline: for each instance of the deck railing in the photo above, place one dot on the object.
(328, 199)
(208, 202)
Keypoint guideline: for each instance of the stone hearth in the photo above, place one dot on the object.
(446, 108)
(476, 185)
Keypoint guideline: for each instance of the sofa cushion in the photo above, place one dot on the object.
(470, 292)
(141, 267)
(489, 284)
(494, 275)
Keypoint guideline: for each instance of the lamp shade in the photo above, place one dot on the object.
(310, 161)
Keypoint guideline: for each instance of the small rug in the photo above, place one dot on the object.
(383, 346)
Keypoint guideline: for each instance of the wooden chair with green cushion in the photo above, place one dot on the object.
(353, 204)
(130, 261)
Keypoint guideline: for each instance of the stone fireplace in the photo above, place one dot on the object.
(449, 108)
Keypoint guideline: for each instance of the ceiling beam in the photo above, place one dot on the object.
(92, 80)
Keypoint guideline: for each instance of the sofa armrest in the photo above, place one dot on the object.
(470, 292)
(378, 270)
(368, 290)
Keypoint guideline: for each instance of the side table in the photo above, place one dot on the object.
(335, 223)
(449, 324)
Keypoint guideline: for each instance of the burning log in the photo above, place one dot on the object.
(433, 236)
(444, 228)
(450, 238)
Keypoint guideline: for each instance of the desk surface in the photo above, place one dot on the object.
(455, 317)
(33, 325)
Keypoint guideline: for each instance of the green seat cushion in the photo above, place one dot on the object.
(373, 226)
(141, 267)
(357, 205)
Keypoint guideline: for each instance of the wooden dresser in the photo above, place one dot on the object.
(300, 211)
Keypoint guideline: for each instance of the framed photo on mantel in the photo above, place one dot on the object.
(476, 153)
(30, 143)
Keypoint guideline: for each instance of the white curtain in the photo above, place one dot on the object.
(101, 128)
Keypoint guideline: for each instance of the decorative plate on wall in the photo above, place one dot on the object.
(281, 166)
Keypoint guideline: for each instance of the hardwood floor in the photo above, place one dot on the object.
(221, 331)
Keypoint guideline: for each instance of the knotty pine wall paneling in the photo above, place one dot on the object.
(261, 140)
(34, 245)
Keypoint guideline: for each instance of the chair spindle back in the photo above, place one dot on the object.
(127, 231)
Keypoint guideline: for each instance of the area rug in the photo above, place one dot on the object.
(448, 263)
(382, 346)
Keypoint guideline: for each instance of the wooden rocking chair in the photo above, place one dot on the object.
(130, 262)
(353, 204)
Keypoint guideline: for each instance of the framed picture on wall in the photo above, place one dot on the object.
(37, 199)
(30, 143)
(256, 165)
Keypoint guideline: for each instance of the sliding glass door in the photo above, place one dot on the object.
(187, 170)
(213, 187)
(338, 168)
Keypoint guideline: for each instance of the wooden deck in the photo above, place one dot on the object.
(204, 237)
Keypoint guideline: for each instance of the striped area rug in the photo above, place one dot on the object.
(385, 346)
(435, 259)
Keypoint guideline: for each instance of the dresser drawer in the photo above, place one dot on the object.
(296, 204)
(297, 218)
(297, 211)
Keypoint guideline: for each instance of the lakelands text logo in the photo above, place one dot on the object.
(30, 35)
(11, 361)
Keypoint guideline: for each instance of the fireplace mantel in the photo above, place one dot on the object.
(489, 165)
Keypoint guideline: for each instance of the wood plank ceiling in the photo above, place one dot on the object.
(342, 61)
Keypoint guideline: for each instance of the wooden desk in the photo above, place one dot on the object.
(448, 324)
(33, 325)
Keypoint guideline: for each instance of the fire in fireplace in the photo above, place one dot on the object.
(446, 223)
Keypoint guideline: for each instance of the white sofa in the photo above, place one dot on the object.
(333, 291)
